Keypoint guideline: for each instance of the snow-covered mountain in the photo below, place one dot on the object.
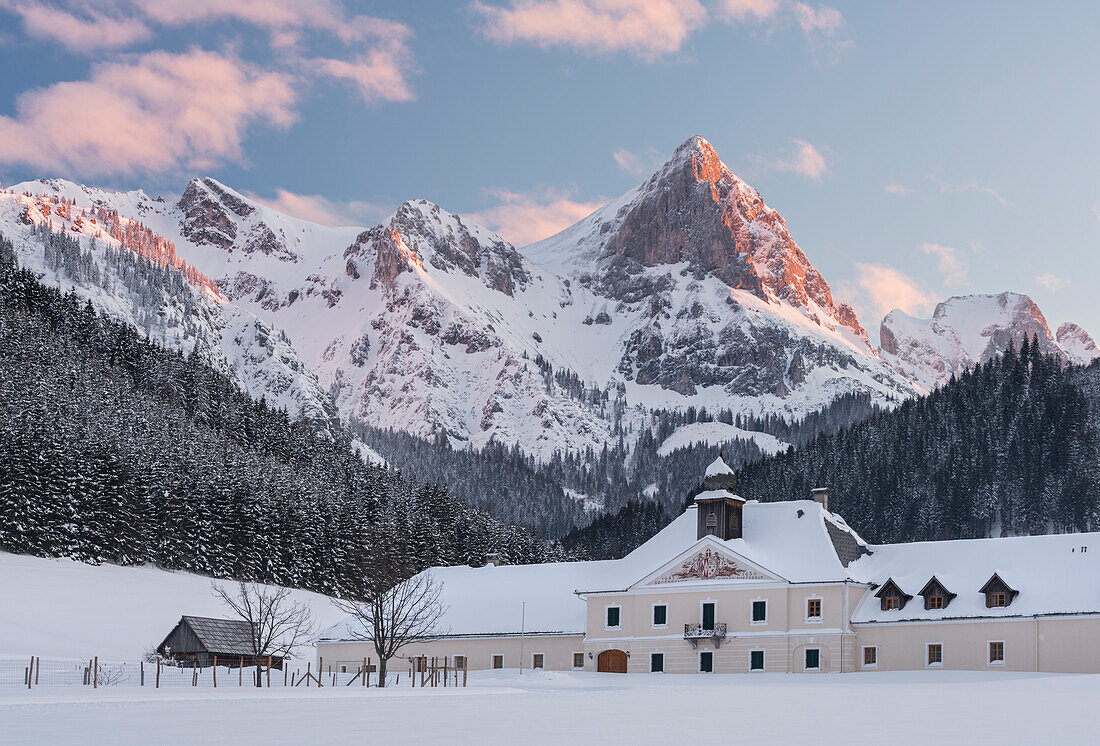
(688, 290)
(966, 330)
(190, 315)
(714, 299)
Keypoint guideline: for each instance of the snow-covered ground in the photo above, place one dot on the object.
(58, 608)
(716, 433)
(896, 708)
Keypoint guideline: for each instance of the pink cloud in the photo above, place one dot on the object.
(276, 15)
(953, 269)
(886, 289)
(898, 189)
(750, 10)
(637, 164)
(380, 74)
(523, 218)
(800, 158)
(824, 28)
(156, 112)
(83, 30)
(322, 210)
(648, 29)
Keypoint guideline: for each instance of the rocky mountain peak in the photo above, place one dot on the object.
(420, 234)
(1077, 343)
(212, 213)
(967, 330)
(694, 210)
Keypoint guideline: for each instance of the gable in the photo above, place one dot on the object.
(706, 563)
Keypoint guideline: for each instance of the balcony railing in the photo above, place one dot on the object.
(693, 633)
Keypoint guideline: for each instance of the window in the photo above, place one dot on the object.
(935, 654)
(870, 656)
(498, 661)
(536, 660)
(756, 660)
(935, 602)
(759, 612)
(998, 600)
(578, 660)
(996, 653)
(660, 615)
(613, 617)
(708, 613)
(656, 662)
(706, 662)
(460, 662)
(813, 609)
(813, 659)
(891, 603)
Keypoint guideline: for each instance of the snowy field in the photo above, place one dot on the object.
(581, 708)
(58, 608)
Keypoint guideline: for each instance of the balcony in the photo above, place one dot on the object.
(693, 633)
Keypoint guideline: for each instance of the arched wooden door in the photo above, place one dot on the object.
(611, 661)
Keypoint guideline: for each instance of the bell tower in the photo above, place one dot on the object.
(719, 507)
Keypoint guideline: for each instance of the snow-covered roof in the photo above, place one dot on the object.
(717, 467)
(1052, 574)
(489, 600)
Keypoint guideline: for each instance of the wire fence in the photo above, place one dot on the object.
(33, 672)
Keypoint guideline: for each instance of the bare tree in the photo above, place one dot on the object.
(278, 625)
(394, 614)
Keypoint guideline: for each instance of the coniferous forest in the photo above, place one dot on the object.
(1010, 447)
(113, 449)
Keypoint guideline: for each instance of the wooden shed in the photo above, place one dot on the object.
(197, 641)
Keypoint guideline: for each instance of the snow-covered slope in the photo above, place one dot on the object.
(966, 330)
(122, 611)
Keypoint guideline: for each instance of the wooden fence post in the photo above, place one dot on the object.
(465, 668)
(308, 664)
(366, 672)
(142, 664)
(215, 672)
(445, 659)
(320, 670)
(286, 668)
(240, 673)
(95, 674)
(37, 668)
(269, 672)
(158, 672)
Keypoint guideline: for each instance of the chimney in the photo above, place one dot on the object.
(821, 495)
(492, 559)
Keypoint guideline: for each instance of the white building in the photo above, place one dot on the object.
(736, 586)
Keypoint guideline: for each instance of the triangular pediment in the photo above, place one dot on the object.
(707, 562)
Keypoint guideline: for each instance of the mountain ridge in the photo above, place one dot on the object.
(685, 291)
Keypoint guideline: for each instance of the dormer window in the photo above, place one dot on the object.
(936, 596)
(892, 597)
(998, 593)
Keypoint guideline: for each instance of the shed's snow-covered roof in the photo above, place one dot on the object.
(1051, 573)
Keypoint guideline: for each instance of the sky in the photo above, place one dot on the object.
(917, 150)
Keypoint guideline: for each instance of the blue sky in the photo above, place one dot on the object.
(917, 150)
